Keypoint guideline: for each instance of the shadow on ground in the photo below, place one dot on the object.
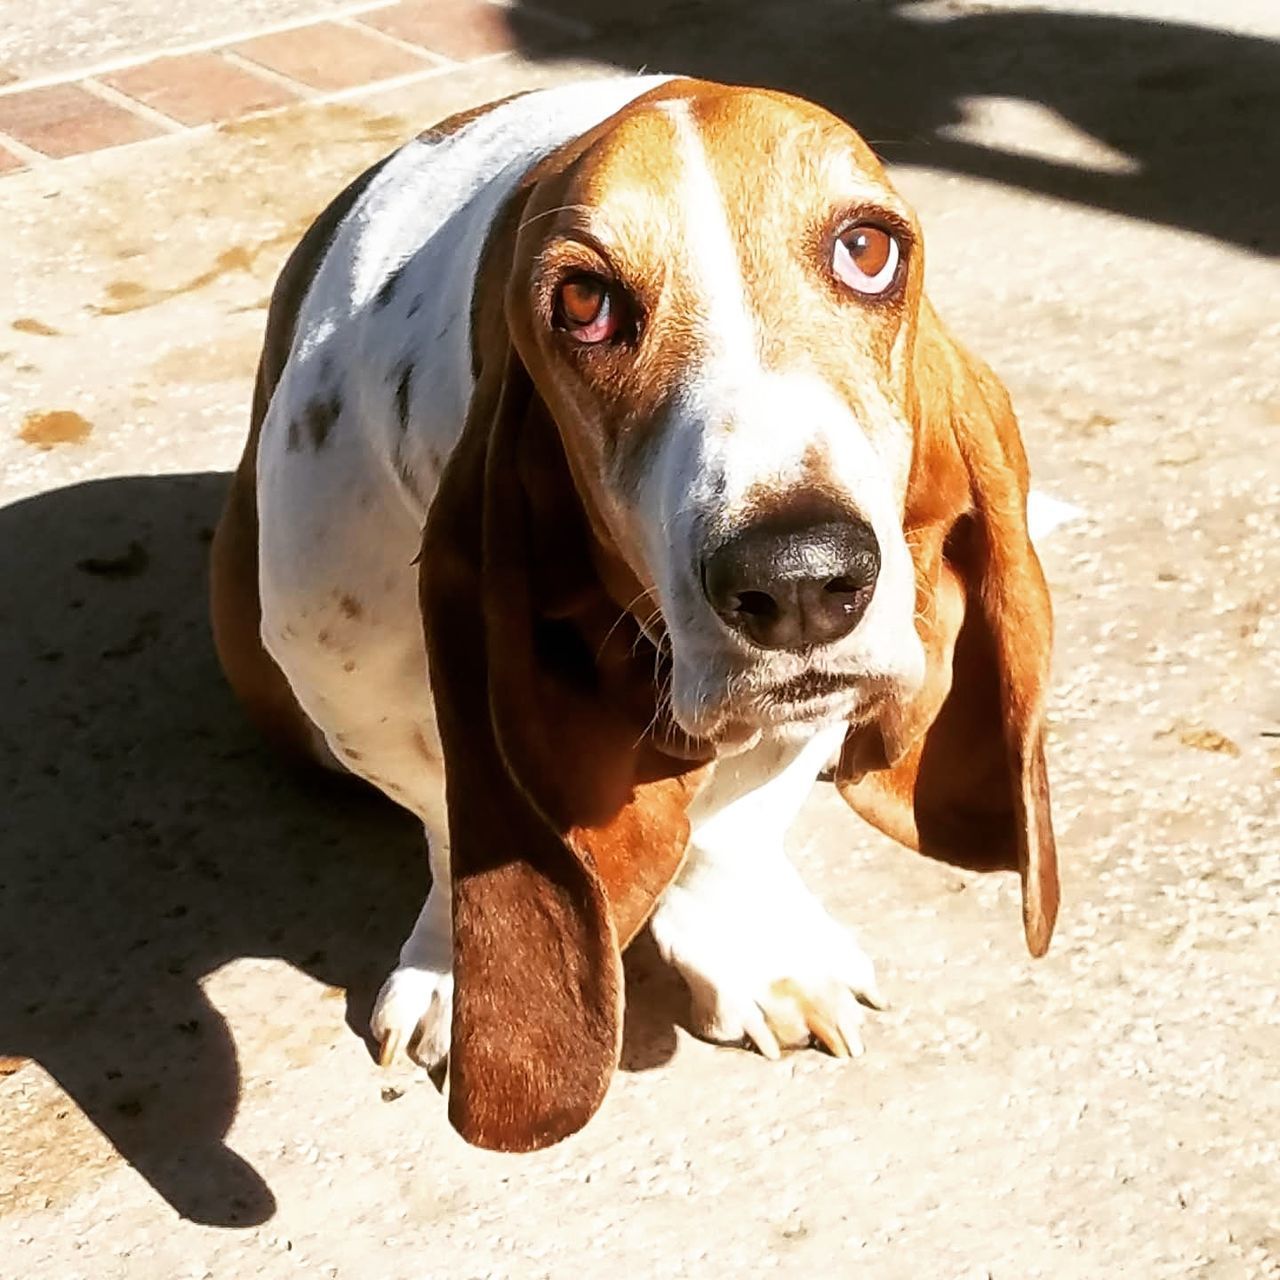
(1193, 109)
(149, 839)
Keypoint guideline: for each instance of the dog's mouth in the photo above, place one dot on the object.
(811, 686)
(815, 698)
(731, 717)
(799, 704)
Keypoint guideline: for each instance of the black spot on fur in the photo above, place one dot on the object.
(293, 440)
(404, 393)
(291, 288)
(387, 291)
(415, 306)
(321, 414)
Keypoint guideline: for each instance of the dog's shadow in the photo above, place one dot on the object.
(149, 839)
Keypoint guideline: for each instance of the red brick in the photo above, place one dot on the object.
(458, 29)
(328, 56)
(198, 88)
(9, 163)
(66, 120)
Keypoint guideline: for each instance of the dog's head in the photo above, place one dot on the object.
(718, 298)
(723, 475)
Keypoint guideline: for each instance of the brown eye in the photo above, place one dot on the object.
(866, 258)
(584, 308)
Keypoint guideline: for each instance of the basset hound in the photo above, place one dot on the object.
(609, 475)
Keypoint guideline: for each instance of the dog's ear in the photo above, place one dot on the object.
(566, 819)
(959, 771)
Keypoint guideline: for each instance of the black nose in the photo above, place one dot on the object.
(792, 588)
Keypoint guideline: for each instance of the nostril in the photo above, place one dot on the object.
(755, 604)
(843, 586)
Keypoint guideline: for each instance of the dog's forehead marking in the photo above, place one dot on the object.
(652, 189)
(709, 247)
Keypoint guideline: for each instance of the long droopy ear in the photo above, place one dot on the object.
(566, 818)
(959, 772)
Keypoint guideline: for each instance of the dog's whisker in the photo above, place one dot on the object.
(622, 617)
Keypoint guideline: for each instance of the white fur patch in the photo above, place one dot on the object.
(712, 258)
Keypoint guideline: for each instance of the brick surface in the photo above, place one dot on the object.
(66, 120)
(459, 29)
(9, 163)
(329, 56)
(198, 88)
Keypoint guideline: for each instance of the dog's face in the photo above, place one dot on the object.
(718, 301)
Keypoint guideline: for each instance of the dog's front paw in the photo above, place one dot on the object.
(414, 1013)
(764, 961)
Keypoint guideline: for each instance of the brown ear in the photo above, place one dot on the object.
(959, 771)
(566, 821)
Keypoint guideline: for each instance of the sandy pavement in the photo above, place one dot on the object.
(190, 938)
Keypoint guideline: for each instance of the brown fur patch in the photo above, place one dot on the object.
(959, 772)
(544, 704)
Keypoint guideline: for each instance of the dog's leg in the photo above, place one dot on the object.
(763, 959)
(365, 688)
(414, 1009)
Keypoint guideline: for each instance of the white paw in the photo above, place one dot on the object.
(763, 959)
(414, 1013)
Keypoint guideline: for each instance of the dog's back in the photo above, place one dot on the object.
(362, 392)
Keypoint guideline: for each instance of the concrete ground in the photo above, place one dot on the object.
(190, 938)
(88, 32)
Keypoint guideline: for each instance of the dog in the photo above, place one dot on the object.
(610, 474)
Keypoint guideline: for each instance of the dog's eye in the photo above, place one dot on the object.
(866, 257)
(585, 309)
